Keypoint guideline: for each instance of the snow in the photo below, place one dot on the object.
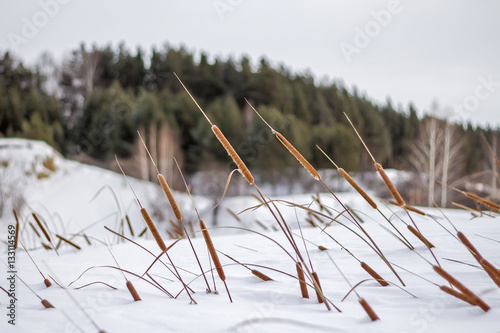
(79, 197)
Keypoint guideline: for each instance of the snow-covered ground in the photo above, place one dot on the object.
(77, 199)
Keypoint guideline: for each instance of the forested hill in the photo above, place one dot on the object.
(93, 103)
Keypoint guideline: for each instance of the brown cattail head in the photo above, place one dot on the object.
(302, 281)
(475, 299)
(232, 153)
(154, 231)
(47, 282)
(211, 249)
(261, 275)
(390, 185)
(47, 304)
(40, 225)
(490, 204)
(357, 188)
(368, 309)
(420, 236)
(457, 294)
(322, 248)
(16, 236)
(297, 155)
(492, 271)
(318, 292)
(133, 292)
(469, 245)
(374, 274)
(170, 197)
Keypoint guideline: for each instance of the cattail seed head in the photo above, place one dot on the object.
(297, 155)
(170, 197)
(302, 281)
(390, 185)
(420, 236)
(47, 304)
(154, 231)
(211, 250)
(357, 188)
(469, 245)
(318, 292)
(261, 275)
(368, 309)
(133, 291)
(232, 153)
(47, 282)
(457, 294)
(374, 274)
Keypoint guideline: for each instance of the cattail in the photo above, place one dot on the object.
(232, 153)
(420, 236)
(497, 161)
(469, 246)
(47, 304)
(170, 197)
(492, 271)
(357, 187)
(415, 210)
(297, 155)
(16, 236)
(40, 225)
(68, 242)
(374, 274)
(133, 292)
(390, 185)
(373, 316)
(153, 229)
(261, 275)
(493, 206)
(211, 249)
(322, 248)
(47, 282)
(457, 294)
(129, 225)
(302, 281)
(318, 292)
(474, 298)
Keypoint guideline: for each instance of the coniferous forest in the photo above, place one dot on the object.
(91, 105)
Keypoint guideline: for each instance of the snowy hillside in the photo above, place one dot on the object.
(89, 293)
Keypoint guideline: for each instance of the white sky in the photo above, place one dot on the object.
(427, 50)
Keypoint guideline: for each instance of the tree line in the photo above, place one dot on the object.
(95, 100)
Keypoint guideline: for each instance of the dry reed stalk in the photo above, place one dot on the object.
(261, 275)
(373, 316)
(69, 242)
(420, 236)
(302, 281)
(474, 298)
(232, 153)
(213, 254)
(132, 291)
(154, 231)
(469, 246)
(457, 294)
(47, 304)
(16, 237)
(318, 295)
(357, 188)
(170, 197)
(374, 274)
(390, 185)
(492, 271)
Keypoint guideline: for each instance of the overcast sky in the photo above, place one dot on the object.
(420, 51)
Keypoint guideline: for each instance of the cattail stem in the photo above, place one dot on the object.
(368, 309)
(420, 236)
(302, 281)
(374, 274)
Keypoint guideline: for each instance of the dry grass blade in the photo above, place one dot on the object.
(475, 299)
(374, 274)
(373, 316)
(302, 281)
(420, 236)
